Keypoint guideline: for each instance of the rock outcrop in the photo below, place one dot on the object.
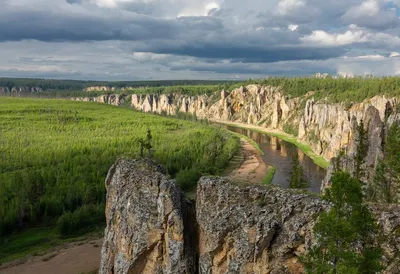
(152, 228)
(148, 222)
(327, 128)
(16, 91)
(99, 88)
(112, 99)
(253, 229)
(388, 219)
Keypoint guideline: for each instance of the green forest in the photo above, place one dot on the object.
(341, 90)
(55, 154)
(333, 90)
(49, 84)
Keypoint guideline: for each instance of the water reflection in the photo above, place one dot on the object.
(279, 153)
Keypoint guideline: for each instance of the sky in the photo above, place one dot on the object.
(197, 39)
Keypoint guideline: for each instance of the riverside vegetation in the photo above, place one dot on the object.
(54, 156)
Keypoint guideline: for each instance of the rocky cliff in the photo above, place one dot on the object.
(148, 228)
(19, 90)
(252, 229)
(111, 99)
(327, 128)
(152, 228)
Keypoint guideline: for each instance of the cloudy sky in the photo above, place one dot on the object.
(197, 39)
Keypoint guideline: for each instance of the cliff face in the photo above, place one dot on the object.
(253, 229)
(327, 128)
(112, 99)
(152, 228)
(99, 88)
(147, 222)
(19, 90)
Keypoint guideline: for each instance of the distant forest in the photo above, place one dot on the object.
(74, 85)
(332, 90)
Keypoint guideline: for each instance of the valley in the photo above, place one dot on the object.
(55, 155)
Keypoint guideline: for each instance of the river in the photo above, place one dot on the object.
(279, 153)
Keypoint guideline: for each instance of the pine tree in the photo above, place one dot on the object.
(142, 144)
(392, 159)
(148, 146)
(296, 178)
(362, 150)
(382, 186)
(345, 233)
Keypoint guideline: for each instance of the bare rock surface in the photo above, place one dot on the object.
(146, 215)
(152, 228)
(328, 128)
(253, 229)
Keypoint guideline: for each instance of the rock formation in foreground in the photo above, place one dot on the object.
(148, 222)
(253, 229)
(152, 228)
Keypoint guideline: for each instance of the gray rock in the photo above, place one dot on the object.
(152, 228)
(253, 229)
(147, 222)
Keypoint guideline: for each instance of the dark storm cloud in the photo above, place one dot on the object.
(97, 25)
(203, 37)
(119, 39)
(247, 53)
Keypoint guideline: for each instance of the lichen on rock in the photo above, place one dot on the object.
(146, 216)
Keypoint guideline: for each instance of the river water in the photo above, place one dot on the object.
(279, 153)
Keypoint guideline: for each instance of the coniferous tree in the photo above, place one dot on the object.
(337, 160)
(344, 234)
(392, 159)
(148, 146)
(142, 145)
(296, 179)
(381, 187)
(362, 150)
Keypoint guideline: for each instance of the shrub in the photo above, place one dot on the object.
(187, 178)
(84, 219)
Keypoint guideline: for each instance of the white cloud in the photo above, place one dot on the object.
(287, 6)
(293, 27)
(361, 38)
(371, 57)
(323, 38)
(394, 54)
(148, 56)
(367, 8)
(372, 14)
